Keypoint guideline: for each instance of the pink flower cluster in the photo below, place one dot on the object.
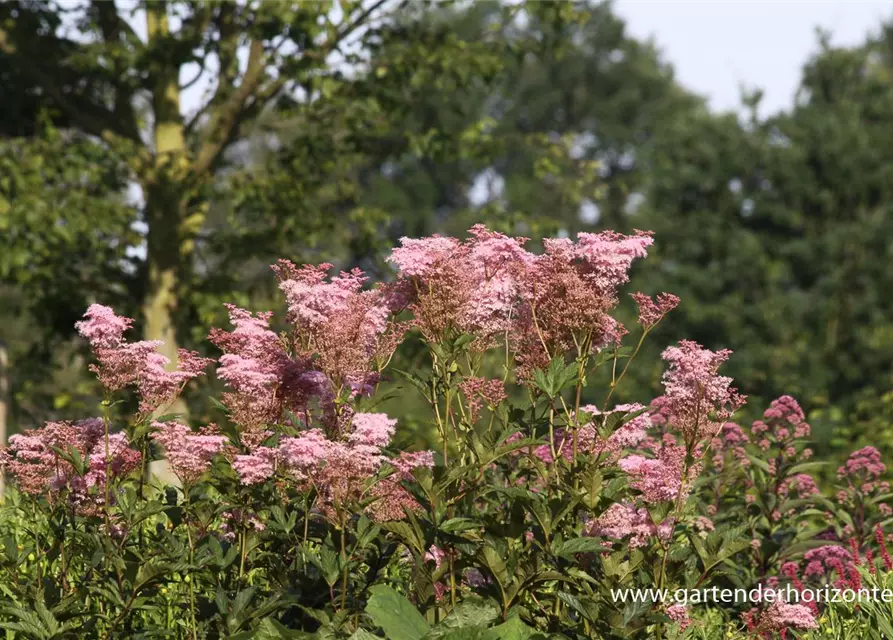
(730, 443)
(862, 473)
(679, 613)
(651, 312)
(783, 423)
(263, 379)
(864, 464)
(697, 400)
(189, 453)
(340, 469)
(798, 486)
(349, 330)
(660, 478)
(490, 285)
(822, 560)
(480, 391)
(623, 520)
(33, 459)
(463, 287)
(122, 363)
(780, 617)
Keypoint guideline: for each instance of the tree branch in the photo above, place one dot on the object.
(225, 117)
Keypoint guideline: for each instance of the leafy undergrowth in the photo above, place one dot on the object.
(540, 506)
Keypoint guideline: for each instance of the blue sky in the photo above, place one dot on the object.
(718, 45)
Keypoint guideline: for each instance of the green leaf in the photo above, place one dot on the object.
(515, 629)
(270, 629)
(495, 563)
(454, 525)
(471, 612)
(569, 548)
(395, 614)
(807, 467)
(423, 386)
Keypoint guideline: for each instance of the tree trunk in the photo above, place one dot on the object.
(164, 189)
(164, 265)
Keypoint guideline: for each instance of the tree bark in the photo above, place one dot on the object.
(164, 188)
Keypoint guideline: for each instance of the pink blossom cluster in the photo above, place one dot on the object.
(490, 285)
(571, 290)
(350, 331)
(122, 363)
(256, 467)
(33, 459)
(679, 613)
(340, 469)
(624, 520)
(660, 478)
(822, 560)
(263, 379)
(862, 474)
(798, 486)
(189, 453)
(781, 429)
(780, 617)
(463, 287)
(697, 400)
(480, 391)
(864, 464)
(731, 444)
(650, 311)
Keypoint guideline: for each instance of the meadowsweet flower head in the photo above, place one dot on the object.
(33, 459)
(658, 479)
(799, 486)
(623, 520)
(651, 312)
(729, 444)
(472, 286)
(781, 616)
(608, 256)
(263, 380)
(418, 257)
(254, 468)
(346, 329)
(373, 429)
(697, 399)
(102, 328)
(122, 363)
(158, 386)
(571, 290)
(822, 560)
(188, 452)
(340, 469)
(479, 391)
(679, 613)
(864, 463)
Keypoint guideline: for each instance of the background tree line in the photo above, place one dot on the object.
(158, 157)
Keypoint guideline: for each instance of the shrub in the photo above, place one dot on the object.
(296, 514)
